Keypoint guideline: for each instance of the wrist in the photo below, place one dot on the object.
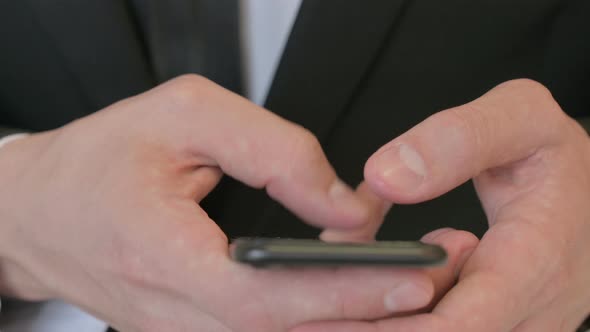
(17, 156)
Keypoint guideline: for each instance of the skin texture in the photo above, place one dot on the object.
(530, 164)
(104, 213)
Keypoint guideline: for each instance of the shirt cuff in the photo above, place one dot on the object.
(10, 138)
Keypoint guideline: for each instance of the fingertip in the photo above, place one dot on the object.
(330, 205)
(458, 244)
(377, 209)
(450, 237)
(409, 295)
(397, 172)
(348, 204)
(355, 236)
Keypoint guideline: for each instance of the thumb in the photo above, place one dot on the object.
(508, 124)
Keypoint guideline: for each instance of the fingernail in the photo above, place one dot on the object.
(343, 196)
(407, 296)
(401, 166)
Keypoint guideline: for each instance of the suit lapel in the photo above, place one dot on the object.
(99, 46)
(332, 45)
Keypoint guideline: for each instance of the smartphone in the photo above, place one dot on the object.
(266, 252)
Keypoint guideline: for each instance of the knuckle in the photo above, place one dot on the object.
(520, 101)
(470, 127)
(527, 86)
(132, 268)
(190, 80)
(187, 91)
(461, 119)
(534, 96)
(305, 146)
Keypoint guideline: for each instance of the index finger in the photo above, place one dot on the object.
(458, 244)
(259, 149)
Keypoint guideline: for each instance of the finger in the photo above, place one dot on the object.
(511, 122)
(275, 299)
(458, 245)
(332, 294)
(377, 207)
(478, 303)
(258, 148)
(481, 310)
(489, 296)
(506, 280)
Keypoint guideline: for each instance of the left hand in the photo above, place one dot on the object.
(531, 167)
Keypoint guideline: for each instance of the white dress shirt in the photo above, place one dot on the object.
(264, 29)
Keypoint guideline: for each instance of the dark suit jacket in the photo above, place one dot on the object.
(355, 73)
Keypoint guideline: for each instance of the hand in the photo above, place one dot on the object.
(104, 213)
(531, 167)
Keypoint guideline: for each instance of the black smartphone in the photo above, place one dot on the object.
(264, 252)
